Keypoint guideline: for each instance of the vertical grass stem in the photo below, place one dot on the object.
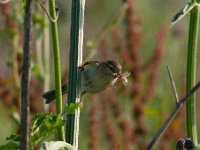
(75, 60)
(56, 51)
(191, 74)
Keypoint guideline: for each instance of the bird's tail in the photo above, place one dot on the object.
(50, 96)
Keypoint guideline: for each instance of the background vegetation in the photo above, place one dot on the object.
(138, 35)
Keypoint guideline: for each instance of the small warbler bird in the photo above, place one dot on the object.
(95, 77)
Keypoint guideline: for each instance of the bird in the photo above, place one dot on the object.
(96, 76)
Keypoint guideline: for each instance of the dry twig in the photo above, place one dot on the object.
(172, 115)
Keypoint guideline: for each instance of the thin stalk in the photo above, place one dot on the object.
(75, 60)
(56, 51)
(16, 75)
(191, 75)
(38, 45)
(25, 101)
(44, 50)
(172, 115)
(46, 47)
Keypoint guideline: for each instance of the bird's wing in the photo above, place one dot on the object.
(91, 62)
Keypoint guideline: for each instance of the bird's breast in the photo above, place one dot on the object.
(91, 82)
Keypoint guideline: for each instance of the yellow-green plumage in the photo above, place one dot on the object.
(95, 77)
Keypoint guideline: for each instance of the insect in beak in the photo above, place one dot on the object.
(121, 77)
(124, 76)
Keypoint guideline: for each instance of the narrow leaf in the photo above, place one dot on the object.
(184, 11)
(14, 137)
(71, 108)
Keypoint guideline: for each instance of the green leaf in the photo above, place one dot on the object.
(70, 109)
(14, 137)
(39, 20)
(43, 125)
(56, 145)
(10, 146)
(9, 63)
(13, 142)
(23, 5)
(184, 11)
(35, 69)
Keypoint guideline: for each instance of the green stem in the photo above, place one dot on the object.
(46, 48)
(191, 75)
(56, 51)
(75, 60)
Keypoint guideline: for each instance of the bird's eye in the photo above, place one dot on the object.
(113, 66)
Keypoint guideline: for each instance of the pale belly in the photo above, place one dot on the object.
(94, 84)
